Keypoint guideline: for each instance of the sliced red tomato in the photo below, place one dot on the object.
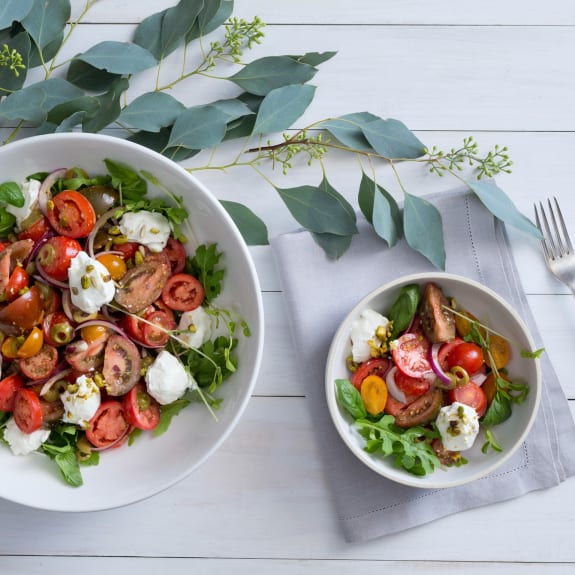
(412, 387)
(141, 409)
(27, 410)
(18, 281)
(469, 356)
(56, 254)
(183, 292)
(445, 350)
(8, 388)
(176, 254)
(41, 365)
(157, 337)
(58, 329)
(71, 214)
(375, 366)
(35, 230)
(109, 426)
(84, 357)
(470, 394)
(128, 249)
(410, 355)
(51, 299)
(23, 313)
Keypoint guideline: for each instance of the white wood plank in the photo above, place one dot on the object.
(263, 495)
(183, 566)
(490, 12)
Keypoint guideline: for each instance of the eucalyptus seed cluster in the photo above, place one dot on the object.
(11, 59)
(295, 145)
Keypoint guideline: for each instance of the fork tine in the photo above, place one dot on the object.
(563, 227)
(561, 249)
(546, 251)
(551, 249)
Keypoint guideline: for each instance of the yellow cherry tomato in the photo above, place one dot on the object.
(115, 265)
(32, 344)
(92, 333)
(10, 347)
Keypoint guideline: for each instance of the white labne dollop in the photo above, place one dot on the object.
(81, 404)
(147, 228)
(363, 331)
(24, 443)
(30, 191)
(458, 425)
(197, 326)
(167, 380)
(91, 285)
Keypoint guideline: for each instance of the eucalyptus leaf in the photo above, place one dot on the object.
(240, 128)
(252, 101)
(252, 228)
(333, 246)
(266, 74)
(380, 210)
(46, 21)
(348, 130)
(233, 108)
(33, 102)
(158, 141)
(148, 34)
(318, 210)
(87, 77)
(213, 15)
(198, 128)
(13, 11)
(392, 139)
(67, 115)
(501, 206)
(109, 107)
(9, 81)
(423, 229)
(282, 107)
(177, 23)
(152, 112)
(39, 56)
(314, 58)
(118, 57)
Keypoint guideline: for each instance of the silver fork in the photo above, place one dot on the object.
(557, 247)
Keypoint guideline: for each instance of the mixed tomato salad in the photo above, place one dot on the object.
(107, 327)
(425, 379)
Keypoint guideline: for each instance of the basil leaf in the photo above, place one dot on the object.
(70, 468)
(7, 223)
(403, 309)
(10, 193)
(350, 398)
(499, 410)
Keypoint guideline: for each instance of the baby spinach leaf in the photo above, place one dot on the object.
(7, 223)
(350, 399)
(10, 193)
(498, 411)
(403, 309)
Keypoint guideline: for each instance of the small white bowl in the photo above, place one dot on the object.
(490, 309)
(150, 465)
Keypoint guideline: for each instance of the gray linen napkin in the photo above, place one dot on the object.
(319, 294)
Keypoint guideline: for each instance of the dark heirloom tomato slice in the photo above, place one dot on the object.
(141, 409)
(122, 365)
(41, 365)
(183, 292)
(470, 394)
(421, 411)
(8, 388)
(410, 355)
(27, 410)
(71, 214)
(83, 356)
(375, 366)
(23, 313)
(52, 410)
(176, 254)
(51, 300)
(18, 281)
(56, 254)
(108, 426)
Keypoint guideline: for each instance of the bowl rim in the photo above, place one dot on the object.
(257, 330)
(335, 411)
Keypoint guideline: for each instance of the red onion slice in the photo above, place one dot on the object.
(478, 378)
(434, 362)
(54, 379)
(116, 441)
(45, 194)
(49, 280)
(37, 245)
(99, 223)
(394, 391)
(104, 323)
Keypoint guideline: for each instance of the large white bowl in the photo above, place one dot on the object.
(492, 310)
(150, 465)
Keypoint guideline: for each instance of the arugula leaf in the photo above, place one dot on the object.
(403, 309)
(204, 266)
(11, 193)
(168, 412)
(81, 182)
(61, 447)
(7, 222)
(532, 354)
(490, 442)
(350, 398)
(408, 446)
(130, 185)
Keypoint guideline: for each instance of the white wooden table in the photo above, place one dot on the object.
(500, 71)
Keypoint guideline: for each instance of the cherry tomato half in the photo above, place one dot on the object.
(157, 337)
(412, 387)
(470, 394)
(375, 366)
(176, 254)
(94, 333)
(141, 409)
(27, 410)
(32, 344)
(8, 388)
(115, 265)
(35, 230)
(23, 313)
(411, 355)
(108, 426)
(71, 214)
(467, 355)
(183, 292)
(40, 365)
(56, 254)
(18, 281)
